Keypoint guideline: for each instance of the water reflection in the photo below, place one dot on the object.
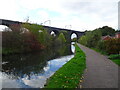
(72, 47)
(32, 70)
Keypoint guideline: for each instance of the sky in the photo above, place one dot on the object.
(79, 15)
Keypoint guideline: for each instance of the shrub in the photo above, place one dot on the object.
(17, 41)
(101, 45)
(40, 33)
(113, 46)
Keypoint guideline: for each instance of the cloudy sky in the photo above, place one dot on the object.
(80, 14)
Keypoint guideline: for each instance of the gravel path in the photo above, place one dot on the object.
(101, 72)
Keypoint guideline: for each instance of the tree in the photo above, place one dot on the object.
(107, 31)
(61, 39)
(91, 38)
(83, 40)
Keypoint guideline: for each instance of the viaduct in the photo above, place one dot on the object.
(48, 28)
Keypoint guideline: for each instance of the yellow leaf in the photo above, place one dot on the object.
(81, 81)
(80, 86)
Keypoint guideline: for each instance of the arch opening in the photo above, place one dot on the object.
(52, 33)
(4, 28)
(74, 37)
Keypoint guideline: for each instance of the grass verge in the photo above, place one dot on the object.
(115, 58)
(69, 75)
(99, 51)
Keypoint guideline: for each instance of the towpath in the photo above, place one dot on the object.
(100, 72)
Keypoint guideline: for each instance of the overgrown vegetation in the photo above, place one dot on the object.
(112, 46)
(68, 75)
(19, 40)
(28, 38)
(39, 32)
(93, 39)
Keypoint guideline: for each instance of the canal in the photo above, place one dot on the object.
(32, 70)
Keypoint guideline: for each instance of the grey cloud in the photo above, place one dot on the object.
(105, 10)
(89, 7)
(76, 7)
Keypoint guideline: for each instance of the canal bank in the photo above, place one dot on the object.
(68, 76)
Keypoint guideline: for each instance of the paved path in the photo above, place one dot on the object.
(101, 72)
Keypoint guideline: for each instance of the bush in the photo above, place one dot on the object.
(101, 45)
(113, 46)
(39, 32)
(91, 38)
(18, 41)
(12, 41)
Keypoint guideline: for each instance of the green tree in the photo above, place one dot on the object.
(83, 40)
(61, 39)
(107, 31)
(91, 38)
(40, 33)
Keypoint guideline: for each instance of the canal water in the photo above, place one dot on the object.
(33, 69)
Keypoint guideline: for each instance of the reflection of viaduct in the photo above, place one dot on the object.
(57, 31)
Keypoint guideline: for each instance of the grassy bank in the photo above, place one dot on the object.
(69, 75)
(115, 58)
